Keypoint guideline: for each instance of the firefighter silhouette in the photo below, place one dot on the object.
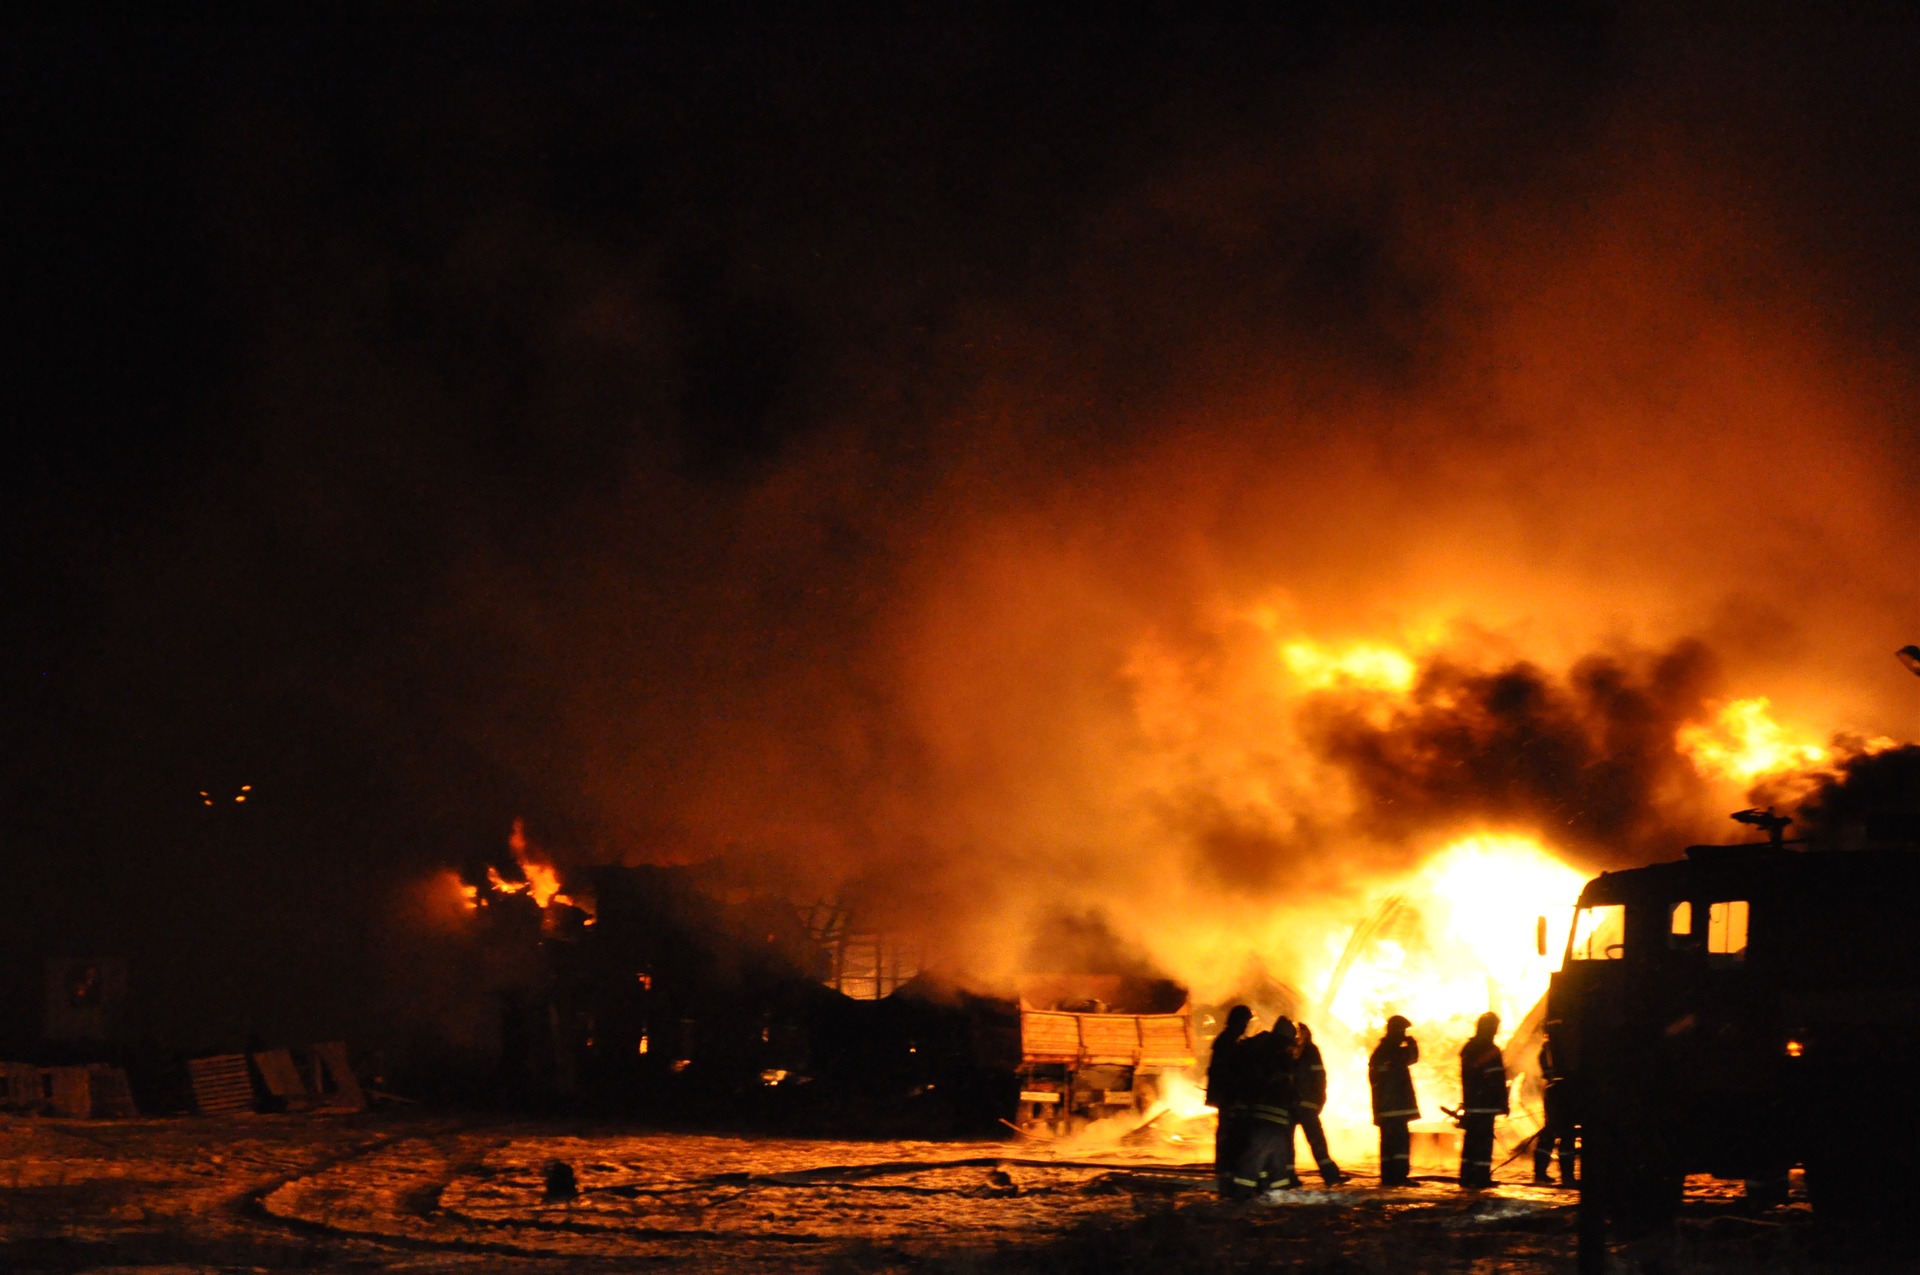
(1266, 1156)
(1390, 1077)
(1483, 1098)
(1309, 1096)
(1227, 1094)
(1558, 1131)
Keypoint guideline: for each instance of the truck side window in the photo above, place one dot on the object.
(1727, 933)
(1680, 925)
(1599, 932)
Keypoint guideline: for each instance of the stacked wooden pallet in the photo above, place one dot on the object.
(222, 1084)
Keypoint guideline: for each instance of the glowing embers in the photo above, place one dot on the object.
(1744, 743)
(239, 798)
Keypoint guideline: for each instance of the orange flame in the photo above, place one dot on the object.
(449, 888)
(539, 879)
(1467, 943)
(543, 881)
(1745, 743)
(1363, 665)
(1441, 945)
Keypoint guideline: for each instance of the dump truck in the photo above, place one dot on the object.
(1740, 1012)
(1093, 1047)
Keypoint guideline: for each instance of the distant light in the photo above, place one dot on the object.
(1795, 1049)
(241, 797)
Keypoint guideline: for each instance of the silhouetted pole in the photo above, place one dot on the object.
(1909, 656)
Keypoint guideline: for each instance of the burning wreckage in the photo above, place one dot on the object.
(1723, 1015)
(658, 992)
(1741, 1012)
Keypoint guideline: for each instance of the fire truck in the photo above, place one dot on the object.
(1740, 1012)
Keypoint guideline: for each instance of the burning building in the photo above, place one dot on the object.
(666, 990)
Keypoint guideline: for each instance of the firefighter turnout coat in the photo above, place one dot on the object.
(1226, 1072)
(1309, 1079)
(1483, 1079)
(1271, 1073)
(1390, 1075)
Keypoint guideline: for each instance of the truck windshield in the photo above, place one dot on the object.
(1599, 932)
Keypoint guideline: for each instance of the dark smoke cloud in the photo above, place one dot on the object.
(1071, 942)
(776, 445)
(1874, 799)
(1588, 760)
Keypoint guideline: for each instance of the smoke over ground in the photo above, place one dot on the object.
(1529, 381)
(973, 599)
(901, 463)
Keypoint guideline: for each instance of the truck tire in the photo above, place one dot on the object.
(1633, 1177)
(1857, 1193)
(1768, 1192)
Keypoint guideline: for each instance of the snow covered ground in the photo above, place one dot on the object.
(385, 1194)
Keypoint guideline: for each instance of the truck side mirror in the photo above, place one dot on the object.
(1540, 935)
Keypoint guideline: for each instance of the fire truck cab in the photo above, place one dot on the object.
(1745, 1010)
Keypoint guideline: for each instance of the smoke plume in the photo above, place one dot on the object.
(1135, 488)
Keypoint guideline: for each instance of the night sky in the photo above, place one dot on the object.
(430, 421)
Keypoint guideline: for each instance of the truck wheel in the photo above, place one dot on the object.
(1857, 1196)
(1634, 1179)
(1765, 1193)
